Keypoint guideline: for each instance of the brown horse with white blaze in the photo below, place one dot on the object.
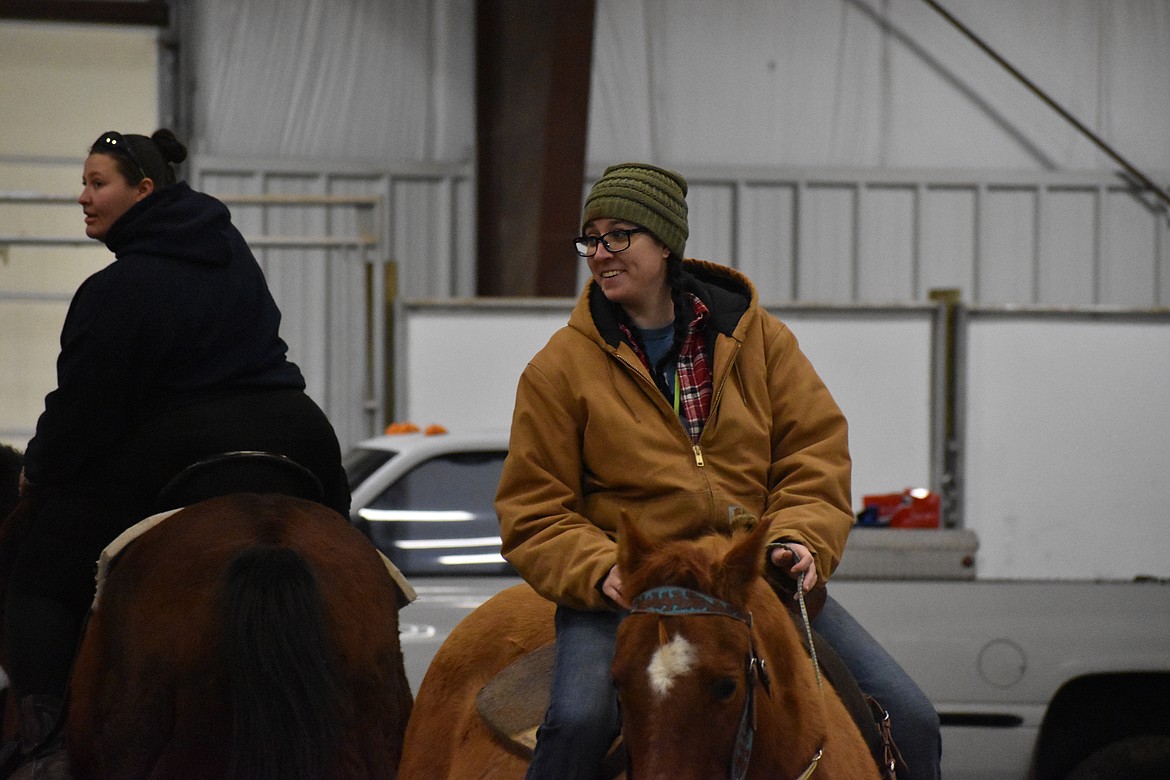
(713, 678)
(246, 636)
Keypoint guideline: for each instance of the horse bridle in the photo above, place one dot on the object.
(672, 601)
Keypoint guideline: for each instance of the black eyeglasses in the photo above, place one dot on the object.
(115, 142)
(615, 241)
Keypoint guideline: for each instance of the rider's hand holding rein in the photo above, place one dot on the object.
(793, 559)
(611, 586)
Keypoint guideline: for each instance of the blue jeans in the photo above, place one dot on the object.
(913, 721)
(582, 718)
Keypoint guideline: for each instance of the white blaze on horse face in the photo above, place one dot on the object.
(669, 662)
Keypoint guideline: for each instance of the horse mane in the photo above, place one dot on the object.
(723, 565)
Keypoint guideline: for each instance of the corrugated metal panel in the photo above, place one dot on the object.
(854, 236)
(814, 236)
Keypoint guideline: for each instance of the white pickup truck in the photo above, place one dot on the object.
(1032, 679)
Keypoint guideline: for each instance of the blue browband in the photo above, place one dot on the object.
(670, 600)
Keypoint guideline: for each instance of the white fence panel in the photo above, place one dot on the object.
(1067, 437)
(458, 363)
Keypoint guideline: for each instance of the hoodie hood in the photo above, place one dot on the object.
(727, 293)
(177, 223)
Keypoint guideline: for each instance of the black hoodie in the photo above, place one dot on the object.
(183, 314)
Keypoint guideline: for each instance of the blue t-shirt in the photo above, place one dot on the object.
(658, 342)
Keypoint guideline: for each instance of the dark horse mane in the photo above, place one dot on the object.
(267, 587)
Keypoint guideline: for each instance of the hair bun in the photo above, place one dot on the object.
(172, 149)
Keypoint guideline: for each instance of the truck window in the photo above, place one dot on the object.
(464, 481)
(359, 463)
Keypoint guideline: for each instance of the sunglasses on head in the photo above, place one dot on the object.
(115, 142)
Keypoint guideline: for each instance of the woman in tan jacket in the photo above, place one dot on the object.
(670, 395)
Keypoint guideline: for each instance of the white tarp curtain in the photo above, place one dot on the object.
(866, 83)
(335, 79)
(879, 83)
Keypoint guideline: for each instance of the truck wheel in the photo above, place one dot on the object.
(1135, 758)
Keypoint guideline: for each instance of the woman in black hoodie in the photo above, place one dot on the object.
(170, 354)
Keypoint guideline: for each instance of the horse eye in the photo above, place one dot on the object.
(723, 688)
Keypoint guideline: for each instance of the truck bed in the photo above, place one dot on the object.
(992, 654)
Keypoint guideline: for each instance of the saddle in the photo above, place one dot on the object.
(218, 475)
(512, 704)
(240, 471)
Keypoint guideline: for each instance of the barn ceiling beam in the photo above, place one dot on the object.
(153, 13)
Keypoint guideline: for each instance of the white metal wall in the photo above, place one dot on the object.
(803, 236)
(860, 109)
(888, 236)
(50, 112)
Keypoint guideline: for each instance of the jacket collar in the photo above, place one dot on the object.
(727, 293)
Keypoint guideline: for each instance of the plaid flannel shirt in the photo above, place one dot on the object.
(694, 372)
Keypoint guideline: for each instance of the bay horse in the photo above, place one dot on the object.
(722, 691)
(246, 636)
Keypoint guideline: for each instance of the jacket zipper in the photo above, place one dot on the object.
(697, 449)
(714, 403)
(698, 455)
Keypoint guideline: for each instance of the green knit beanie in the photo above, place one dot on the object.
(645, 195)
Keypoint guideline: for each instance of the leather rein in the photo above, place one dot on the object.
(671, 601)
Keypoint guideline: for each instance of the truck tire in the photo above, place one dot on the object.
(1134, 758)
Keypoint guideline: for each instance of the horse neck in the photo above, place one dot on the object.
(791, 723)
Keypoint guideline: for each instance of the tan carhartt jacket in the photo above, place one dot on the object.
(593, 438)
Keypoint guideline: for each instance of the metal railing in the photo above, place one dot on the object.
(360, 244)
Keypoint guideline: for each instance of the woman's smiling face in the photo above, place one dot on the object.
(635, 277)
(106, 195)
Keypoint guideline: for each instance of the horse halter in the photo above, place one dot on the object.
(670, 601)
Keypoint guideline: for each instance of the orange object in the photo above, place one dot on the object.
(401, 427)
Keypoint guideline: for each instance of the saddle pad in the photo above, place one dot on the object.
(513, 703)
(408, 593)
(114, 548)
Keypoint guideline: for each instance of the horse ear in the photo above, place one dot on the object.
(744, 562)
(633, 545)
